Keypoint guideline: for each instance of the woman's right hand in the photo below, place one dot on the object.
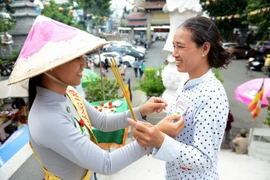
(147, 134)
(171, 125)
(153, 105)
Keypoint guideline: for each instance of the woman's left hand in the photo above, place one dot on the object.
(154, 104)
(146, 134)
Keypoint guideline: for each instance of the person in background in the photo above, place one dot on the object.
(18, 103)
(3, 134)
(249, 66)
(267, 64)
(230, 119)
(60, 121)
(136, 66)
(22, 113)
(106, 64)
(239, 144)
(201, 99)
(122, 70)
(91, 65)
(141, 68)
(250, 38)
(146, 44)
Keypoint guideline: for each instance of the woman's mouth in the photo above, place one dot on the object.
(79, 74)
(178, 62)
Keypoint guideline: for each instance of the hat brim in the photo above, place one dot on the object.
(54, 54)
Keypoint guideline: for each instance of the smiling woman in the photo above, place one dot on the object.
(201, 100)
(60, 130)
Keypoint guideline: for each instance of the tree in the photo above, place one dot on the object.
(61, 13)
(6, 20)
(260, 19)
(221, 8)
(99, 10)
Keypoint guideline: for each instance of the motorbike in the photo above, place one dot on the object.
(5, 70)
(257, 64)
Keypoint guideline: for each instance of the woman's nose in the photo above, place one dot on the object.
(82, 61)
(174, 54)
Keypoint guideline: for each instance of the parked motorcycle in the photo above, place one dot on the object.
(5, 70)
(257, 64)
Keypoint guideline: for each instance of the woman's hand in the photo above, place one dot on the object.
(171, 125)
(147, 134)
(154, 104)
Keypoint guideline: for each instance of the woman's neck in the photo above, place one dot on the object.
(53, 85)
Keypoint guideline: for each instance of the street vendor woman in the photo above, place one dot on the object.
(59, 119)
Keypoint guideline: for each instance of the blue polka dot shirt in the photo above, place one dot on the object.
(193, 154)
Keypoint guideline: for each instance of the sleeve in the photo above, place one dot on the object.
(109, 122)
(235, 141)
(210, 122)
(69, 142)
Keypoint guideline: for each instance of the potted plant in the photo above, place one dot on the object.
(94, 90)
(151, 82)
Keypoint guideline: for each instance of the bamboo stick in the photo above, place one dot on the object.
(119, 79)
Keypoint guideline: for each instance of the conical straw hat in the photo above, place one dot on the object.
(251, 59)
(50, 44)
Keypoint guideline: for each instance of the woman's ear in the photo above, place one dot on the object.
(206, 48)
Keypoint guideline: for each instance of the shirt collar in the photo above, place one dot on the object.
(51, 94)
(196, 81)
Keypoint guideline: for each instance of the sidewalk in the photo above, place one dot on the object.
(231, 166)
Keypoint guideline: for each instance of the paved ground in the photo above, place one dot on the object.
(231, 167)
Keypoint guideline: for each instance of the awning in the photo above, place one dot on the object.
(136, 23)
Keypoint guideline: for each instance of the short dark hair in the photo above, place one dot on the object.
(204, 30)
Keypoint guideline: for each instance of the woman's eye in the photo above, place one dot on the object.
(180, 47)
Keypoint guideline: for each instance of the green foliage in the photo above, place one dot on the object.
(261, 20)
(64, 16)
(10, 59)
(218, 76)
(151, 83)
(99, 8)
(241, 7)
(7, 22)
(267, 120)
(94, 90)
(227, 7)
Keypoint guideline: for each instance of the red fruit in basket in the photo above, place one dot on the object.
(111, 106)
(102, 104)
(100, 110)
(96, 107)
(110, 103)
(112, 110)
(105, 106)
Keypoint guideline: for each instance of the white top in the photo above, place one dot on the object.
(64, 150)
(198, 144)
